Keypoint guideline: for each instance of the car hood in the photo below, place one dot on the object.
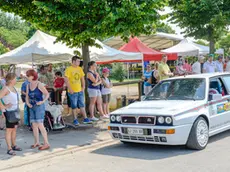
(162, 107)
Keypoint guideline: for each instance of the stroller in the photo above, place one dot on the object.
(53, 117)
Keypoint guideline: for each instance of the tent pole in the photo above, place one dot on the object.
(128, 78)
(143, 64)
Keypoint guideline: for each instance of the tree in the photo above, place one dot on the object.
(165, 28)
(225, 43)
(79, 22)
(201, 42)
(203, 19)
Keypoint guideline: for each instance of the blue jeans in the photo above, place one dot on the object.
(76, 100)
(37, 113)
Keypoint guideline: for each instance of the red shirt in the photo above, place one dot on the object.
(59, 82)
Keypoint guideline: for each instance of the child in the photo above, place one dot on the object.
(58, 87)
(106, 90)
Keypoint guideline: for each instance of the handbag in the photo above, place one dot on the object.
(14, 115)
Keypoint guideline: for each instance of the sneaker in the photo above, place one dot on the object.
(87, 121)
(104, 117)
(94, 119)
(76, 122)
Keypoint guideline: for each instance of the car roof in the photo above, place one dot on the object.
(203, 75)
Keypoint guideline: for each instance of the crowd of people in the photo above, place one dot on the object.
(162, 71)
(44, 86)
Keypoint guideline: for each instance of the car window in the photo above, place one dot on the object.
(216, 86)
(226, 80)
(178, 89)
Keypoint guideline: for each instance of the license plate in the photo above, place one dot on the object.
(135, 131)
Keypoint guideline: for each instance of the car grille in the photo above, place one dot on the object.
(146, 120)
(150, 120)
(155, 139)
(128, 120)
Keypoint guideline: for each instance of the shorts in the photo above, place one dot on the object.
(76, 100)
(37, 114)
(10, 125)
(147, 89)
(94, 92)
(106, 98)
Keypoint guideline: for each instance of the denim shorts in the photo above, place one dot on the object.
(37, 113)
(76, 100)
(94, 92)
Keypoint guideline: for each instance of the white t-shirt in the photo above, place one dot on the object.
(209, 67)
(105, 90)
(228, 67)
(219, 66)
(196, 68)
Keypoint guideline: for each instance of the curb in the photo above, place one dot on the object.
(62, 152)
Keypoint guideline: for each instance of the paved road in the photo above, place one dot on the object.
(116, 157)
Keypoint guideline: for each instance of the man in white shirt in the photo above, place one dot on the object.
(228, 64)
(210, 65)
(219, 64)
(196, 67)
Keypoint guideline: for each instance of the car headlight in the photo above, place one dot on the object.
(112, 118)
(118, 118)
(168, 120)
(161, 120)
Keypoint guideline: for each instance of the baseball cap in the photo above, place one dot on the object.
(105, 70)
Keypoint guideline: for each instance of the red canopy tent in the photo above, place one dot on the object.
(135, 45)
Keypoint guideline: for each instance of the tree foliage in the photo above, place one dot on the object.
(118, 72)
(203, 19)
(165, 28)
(78, 22)
(13, 32)
(225, 43)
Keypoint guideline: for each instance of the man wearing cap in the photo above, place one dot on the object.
(209, 66)
(196, 67)
(219, 64)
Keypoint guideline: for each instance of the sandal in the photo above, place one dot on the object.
(44, 147)
(34, 146)
(15, 148)
(11, 152)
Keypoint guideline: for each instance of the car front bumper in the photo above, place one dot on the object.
(180, 137)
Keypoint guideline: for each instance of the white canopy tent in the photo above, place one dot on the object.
(40, 49)
(188, 48)
(184, 48)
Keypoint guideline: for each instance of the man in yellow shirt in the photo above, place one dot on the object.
(164, 71)
(75, 81)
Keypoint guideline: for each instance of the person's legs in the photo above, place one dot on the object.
(92, 106)
(13, 136)
(36, 133)
(99, 106)
(43, 132)
(8, 137)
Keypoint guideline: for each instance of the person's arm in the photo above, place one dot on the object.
(27, 97)
(105, 84)
(45, 93)
(83, 83)
(204, 68)
(67, 82)
(3, 93)
(92, 78)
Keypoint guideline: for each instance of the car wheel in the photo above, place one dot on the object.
(199, 135)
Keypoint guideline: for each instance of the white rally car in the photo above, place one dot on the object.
(179, 111)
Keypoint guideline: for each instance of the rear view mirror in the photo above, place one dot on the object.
(143, 98)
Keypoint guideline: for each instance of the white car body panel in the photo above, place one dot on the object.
(184, 113)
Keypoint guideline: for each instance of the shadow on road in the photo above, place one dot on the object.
(151, 152)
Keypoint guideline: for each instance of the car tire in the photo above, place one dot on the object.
(199, 135)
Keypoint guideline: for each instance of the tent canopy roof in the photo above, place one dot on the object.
(40, 48)
(188, 48)
(135, 45)
(157, 41)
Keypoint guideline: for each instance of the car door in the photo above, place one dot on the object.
(218, 109)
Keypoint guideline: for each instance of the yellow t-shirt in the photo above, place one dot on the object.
(74, 74)
(163, 68)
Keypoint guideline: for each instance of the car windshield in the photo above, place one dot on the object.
(178, 89)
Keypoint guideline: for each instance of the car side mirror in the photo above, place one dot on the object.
(215, 97)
